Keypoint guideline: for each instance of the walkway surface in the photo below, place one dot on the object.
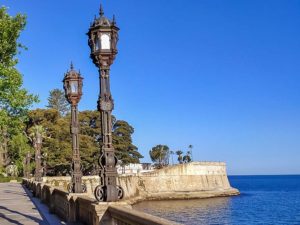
(18, 207)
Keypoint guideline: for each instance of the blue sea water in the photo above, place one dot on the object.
(263, 200)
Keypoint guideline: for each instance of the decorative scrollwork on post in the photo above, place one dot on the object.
(73, 92)
(103, 38)
(100, 193)
(120, 192)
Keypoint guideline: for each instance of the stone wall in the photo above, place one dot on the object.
(184, 181)
(74, 208)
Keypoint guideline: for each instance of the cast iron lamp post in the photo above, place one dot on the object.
(38, 145)
(73, 92)
(103, 38)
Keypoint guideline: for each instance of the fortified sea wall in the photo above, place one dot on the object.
(183, 181)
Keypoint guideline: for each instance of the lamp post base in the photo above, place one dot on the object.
(76, 188)
(109, 193)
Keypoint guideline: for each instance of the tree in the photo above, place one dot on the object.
(122, 142)
(160, 155)
(191, 151)
(187, 158)
(179, 153)
(14, 100)
(36, 130)
(19, 146)
(57, 145)
(57, 100)
(4, 158)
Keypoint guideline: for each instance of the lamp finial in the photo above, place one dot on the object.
(101, 12)
(114, 20)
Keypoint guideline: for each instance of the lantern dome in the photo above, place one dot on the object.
(72, 73)
(73, 85)
(102, 20)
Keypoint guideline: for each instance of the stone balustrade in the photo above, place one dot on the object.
(121, 215)
(81, 208)
(183, 181)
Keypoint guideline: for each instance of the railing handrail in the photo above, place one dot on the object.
(134, 217)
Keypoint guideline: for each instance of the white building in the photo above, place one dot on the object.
(134, 168)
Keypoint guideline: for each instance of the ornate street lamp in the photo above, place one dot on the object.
(103, 38)
(37, 141)
(73, 92)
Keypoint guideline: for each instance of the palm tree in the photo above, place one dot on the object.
(179, 153)
(37, 132)
(160, 155)
(187, 157)
(191, 152)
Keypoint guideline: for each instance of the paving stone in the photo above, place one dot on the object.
(17, 207)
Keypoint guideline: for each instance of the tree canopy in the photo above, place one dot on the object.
(57, 100)
(14, 99)
(57, 144)
(122, 142)
(180, 158)
(160, 155)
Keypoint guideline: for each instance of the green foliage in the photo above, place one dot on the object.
(160, 155)
(57, 140)
(58, 101)
(14, 100)
(18, 148)
(190, 152)
(186, 158)
(90, 134)
(180, 158)
(7, 179)
(122, 142)
(57, 144)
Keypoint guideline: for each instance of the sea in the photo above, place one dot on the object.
(263, 200)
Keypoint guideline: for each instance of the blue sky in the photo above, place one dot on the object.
(223, 76)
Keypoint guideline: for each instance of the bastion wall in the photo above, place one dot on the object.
(182, 181)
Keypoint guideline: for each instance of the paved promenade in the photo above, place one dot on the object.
(16, 207)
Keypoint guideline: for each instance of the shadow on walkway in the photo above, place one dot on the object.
(9, 219)
(19, 213)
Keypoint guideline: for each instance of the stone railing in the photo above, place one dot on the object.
(81, 208)
(123, 216)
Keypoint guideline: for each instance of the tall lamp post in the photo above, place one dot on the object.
(73, 92)
(103, 38)
(38, 167)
